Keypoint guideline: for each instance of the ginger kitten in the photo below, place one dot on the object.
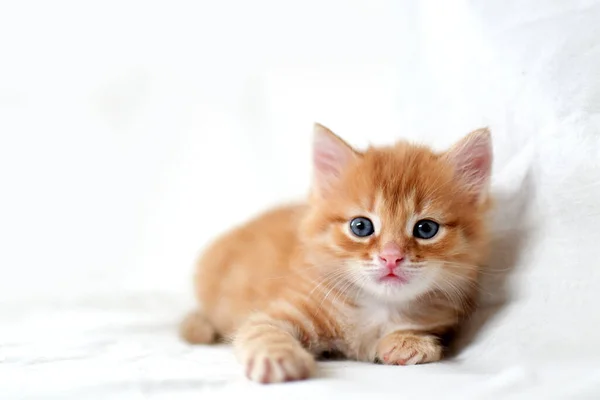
(379, 263)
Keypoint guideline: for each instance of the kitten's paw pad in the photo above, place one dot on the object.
(280, 365)
(196, 329)
(408, 349)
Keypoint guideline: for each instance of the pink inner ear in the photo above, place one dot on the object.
(327, 162)
(330, 156)
(472, 157)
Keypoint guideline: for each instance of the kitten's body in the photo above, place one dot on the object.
(296, 281)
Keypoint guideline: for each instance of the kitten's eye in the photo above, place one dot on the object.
(425, 229)
(361, 227)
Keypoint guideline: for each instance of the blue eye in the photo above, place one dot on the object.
(425, 229)
(362, 227)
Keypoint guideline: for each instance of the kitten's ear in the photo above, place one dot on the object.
(331, 155)
(472, 160)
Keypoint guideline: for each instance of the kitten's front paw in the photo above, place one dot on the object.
(273, 365)
(402, 348)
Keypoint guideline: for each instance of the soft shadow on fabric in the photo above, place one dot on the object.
(507, 248)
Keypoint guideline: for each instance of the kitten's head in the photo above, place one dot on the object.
(397, 222)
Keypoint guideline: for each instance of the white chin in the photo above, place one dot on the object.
(400, 291)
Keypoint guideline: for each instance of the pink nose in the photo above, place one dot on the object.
(391, 255)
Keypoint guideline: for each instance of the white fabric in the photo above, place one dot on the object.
(133, 132)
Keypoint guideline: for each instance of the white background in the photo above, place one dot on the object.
(132, 132)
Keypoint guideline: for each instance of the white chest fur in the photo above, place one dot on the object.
(367, 324)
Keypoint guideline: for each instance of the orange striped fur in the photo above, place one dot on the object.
(295, 281)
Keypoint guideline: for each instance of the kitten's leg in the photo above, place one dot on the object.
(270, 351)
(196, 329)
(409, 348)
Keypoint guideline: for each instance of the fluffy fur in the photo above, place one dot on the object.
(296, 282)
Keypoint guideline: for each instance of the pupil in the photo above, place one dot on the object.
(426, 228)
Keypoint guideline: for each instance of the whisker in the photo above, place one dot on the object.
(336, 273)
(448, 296)
(483, 269)
(454, 294)
(361, 285)
(333, 287)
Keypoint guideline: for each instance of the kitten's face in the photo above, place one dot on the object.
(400, 221)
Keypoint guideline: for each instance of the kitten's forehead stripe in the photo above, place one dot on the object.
(378, 202)
(409, 203)
(424, 207)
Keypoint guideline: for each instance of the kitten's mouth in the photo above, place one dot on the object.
(393, 278)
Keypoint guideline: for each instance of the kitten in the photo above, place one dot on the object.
(379, 264)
